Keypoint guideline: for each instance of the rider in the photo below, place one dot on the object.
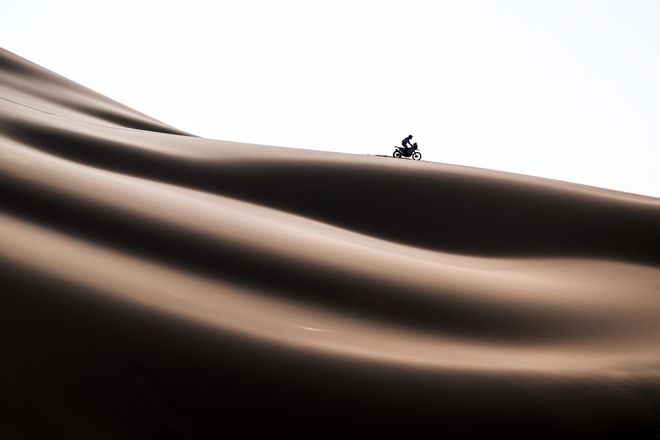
(406, 143)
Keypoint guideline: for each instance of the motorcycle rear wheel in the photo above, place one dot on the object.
(396, 154)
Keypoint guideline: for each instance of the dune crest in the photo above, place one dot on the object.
(158, 284)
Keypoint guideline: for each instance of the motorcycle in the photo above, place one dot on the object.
(413, 152)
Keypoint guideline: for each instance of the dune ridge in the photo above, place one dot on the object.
(158, 284)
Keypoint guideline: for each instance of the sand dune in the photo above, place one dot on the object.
(160, 285)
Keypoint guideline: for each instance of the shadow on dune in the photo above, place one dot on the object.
(152, 376)
(419, 207)
(350, 293)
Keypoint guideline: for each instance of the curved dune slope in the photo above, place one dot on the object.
(156, 284)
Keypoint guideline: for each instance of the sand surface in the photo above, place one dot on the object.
(154, 284)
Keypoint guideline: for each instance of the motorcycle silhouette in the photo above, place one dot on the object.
(407, 152)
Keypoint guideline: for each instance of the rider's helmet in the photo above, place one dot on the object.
(410, 136)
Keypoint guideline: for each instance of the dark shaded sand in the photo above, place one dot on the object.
(159, 285)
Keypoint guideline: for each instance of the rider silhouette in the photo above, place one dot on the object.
(406, 143)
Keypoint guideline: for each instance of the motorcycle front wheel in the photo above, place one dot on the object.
(417, 155)
(396, 154)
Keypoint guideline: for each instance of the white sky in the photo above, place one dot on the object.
(567, 89)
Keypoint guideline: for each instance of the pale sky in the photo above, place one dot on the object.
(566, 89)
